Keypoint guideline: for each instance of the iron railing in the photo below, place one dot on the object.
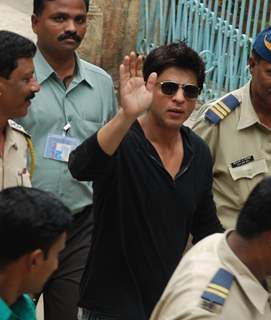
(221, 31)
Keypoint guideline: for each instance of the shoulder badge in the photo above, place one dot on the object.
(17, 127)
(221, 109)
(217, 291)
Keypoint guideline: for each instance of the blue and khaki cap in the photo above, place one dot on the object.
(262, 44)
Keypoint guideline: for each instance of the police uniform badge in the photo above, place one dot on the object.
(217, 291)
(221, 109)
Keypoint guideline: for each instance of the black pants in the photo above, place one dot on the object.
(61, 292)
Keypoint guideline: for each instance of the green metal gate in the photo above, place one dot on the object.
(221, 31)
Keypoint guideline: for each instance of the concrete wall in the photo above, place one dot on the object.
(111, 34)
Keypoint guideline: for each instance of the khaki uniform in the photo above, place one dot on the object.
(241, 150)
(182, 299)
(13, 164)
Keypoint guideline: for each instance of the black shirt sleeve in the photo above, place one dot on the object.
(88, 161)
(206, 221)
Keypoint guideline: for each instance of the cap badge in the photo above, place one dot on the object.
(267, 42)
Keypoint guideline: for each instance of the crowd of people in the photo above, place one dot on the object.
(98, 200)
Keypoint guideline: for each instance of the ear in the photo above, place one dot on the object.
(252, 63)
(34, 22)
(35, 259)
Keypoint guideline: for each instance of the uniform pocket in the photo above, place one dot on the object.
(23, 178)
(249, 170)
(85, 129)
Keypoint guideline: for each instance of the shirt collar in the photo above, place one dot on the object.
(23, 308)
(5, 311)
(247, 281)
(43, 70)
(248, 116)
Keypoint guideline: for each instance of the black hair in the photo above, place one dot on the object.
(177, 55)
(38, 6)
(255, 217)
(30, 219)
(13, 47)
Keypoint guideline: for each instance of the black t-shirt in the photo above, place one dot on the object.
(143, 218)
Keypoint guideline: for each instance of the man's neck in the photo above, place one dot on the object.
(167, 143)
(262, 109)
(9, 289)
(248, 252)
(63, 64)
(265, 118)
(165, 137)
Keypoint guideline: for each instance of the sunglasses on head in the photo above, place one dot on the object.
(170, 88)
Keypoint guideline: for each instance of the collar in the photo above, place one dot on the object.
(187, 145)
(43, 70)
(23, 308)
(184, 131)
(248, 116)
(10, 138)
(257, 295)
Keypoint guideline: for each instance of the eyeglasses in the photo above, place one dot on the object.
(170, 88)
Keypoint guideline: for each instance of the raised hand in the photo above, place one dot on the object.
(135, 95)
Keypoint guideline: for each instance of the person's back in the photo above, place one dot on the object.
(33, 226)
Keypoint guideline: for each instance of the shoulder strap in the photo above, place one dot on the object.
(18, 128)
(221, 109)
(217, 291)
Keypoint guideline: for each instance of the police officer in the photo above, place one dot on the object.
(225, 276)
(237, 128)
(17, 88)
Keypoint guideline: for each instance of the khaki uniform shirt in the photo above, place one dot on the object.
(181, 300)
(13, 163)
(241, 151)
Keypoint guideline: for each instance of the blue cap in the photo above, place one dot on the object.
(262, 44)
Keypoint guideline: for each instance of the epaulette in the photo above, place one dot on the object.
(217, 291)
(17, 127)
(221, 109)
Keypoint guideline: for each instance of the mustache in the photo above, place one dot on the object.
(69, 35)
(30, 96)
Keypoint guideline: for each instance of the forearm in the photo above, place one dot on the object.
(110, 136)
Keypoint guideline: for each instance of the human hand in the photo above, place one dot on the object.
(135, 95)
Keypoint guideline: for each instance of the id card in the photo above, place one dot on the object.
(59, 147)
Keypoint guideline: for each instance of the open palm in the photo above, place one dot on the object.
(136, 96)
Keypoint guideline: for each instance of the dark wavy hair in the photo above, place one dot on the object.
(13, 47)
(30, 219)
(177, 55)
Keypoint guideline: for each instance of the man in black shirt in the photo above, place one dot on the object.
(152, 185)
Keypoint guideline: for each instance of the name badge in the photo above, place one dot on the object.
(59, 147)
(241, 162)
